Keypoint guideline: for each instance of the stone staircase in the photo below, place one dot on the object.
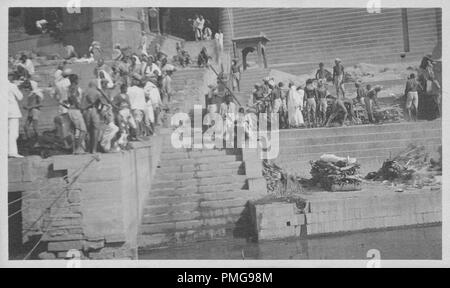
(304, 37)
(371, 144)
(196, 195)
(190, 88)
(248, 79)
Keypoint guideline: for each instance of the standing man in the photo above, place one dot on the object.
(62, 121)
(295, 106)
(370, 100)
(14, 114)
(322, 93)
(311, 104)
(144, 43)
(322, 73)
(412, 97)
(166, 87)
(33, 106)
(195, 24)
(74, 111)
(338, 77)
(91, 103)
(126, 121)
(152, 93)
(360, 92)
(235, 75)
(201, 26)
(228, 112)
(137, 103)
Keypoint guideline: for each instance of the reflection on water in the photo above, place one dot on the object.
(402, 244)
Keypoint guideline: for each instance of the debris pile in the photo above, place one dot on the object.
(279, 182)
(392, 113)
(412, 164)
(389, 114)
(46, 145)
(336, 174)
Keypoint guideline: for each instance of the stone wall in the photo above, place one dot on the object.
(303, 37)
(99, 214)
(374, 208)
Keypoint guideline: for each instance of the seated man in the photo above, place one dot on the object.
(203, 58)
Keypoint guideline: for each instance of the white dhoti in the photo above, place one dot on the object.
(295, 104)
(13, 135)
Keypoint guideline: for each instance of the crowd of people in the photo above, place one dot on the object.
(123, 101)
(312, 105)
(200, 26)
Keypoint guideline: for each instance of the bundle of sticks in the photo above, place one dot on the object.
(404, 165)
(275, 178)
(328, 173)
(389, 114)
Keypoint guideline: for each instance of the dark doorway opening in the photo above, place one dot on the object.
(53, 15)
(178, 21)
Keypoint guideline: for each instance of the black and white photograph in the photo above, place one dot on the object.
(256, 131)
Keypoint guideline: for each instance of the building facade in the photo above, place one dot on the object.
(299, 37)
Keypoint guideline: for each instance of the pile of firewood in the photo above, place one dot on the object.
(334, 174)
(275, 178)
(404, 165)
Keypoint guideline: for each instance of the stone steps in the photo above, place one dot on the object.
(359, 129)
(201, 167)
(357, 146)
(198, 161)
(178, 191)
(228, 179)
(177, 238)
(186, 225)
(194, 154)
(198, 197)
(209, 205)
(200, 174)
(351, 34)
(383, 136)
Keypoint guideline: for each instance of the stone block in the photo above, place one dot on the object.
(47, 256)
(253, 169)
(65, 246)
(93, 245)
(258, 185)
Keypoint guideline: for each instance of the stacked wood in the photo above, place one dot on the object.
(332, 174)
(403, 166)
(275, 178)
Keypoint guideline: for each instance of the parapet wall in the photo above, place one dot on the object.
(98, 215)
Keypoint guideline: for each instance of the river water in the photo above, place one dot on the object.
(421, 243)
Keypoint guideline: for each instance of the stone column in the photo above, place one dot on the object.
(116, 25)
(154, 20)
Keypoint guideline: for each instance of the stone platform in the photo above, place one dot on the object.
(376, 207)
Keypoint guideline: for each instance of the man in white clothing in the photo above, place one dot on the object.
(14, 114)
(138, 104)
(152, 93)
(295, 105)
(26, 63)
(228, 112)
